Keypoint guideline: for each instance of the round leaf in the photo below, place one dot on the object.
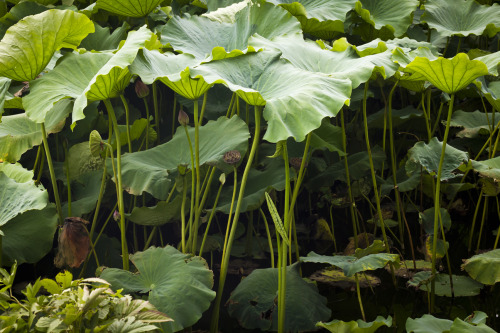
(178, 284)
(28, 46)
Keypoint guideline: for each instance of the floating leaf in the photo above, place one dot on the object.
(132, 8)
(254, 301)
(463, 286)
(448, 75)
(177, 284)
(336, 277)
(484, 267)
(428, 324)
(474, 123)
(428, 155)
(25, 52)
(358, 326)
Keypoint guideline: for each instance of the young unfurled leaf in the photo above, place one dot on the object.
(277, 220)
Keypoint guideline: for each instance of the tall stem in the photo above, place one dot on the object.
(121, 207)
(437, 205)
(52, 174)
(197, 157)
(224, 265)
(127, 122)
(157, 113)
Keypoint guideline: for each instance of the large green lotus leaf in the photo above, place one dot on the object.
(133, 8)
(328, 136)
(491, 91)
(102, 39)
(148, 171)
(428, 155)
(4, 90)
(395, 15)
(473, 123)
(351, 265)
(25, 51)
(448, 75)
(347, 64)
(18, 133)
(463, 286)
(296, 100)
(259, 182)
(426, 219)
(178, 284)
(358, 326)
(163, 212)
(488, 168)
(491, 61)
(16, 172)
(321, 18)
(209, 40)
(254, 304)
(484, 267)
(29, 237)
(405, 57)
(17, 198)
(172, 70)
(428, 324)
(462, 18)
(18, 12)
(84, 194)
(85, 77)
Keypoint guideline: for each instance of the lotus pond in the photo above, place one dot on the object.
(227, 166)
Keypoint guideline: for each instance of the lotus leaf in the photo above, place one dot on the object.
(163, 212)
(427, 219)
(133, 8)
(358, 326)
(177, 284)
(24, 52)
(463, 286)
(19, 11)
(431, 324)
(473, 123)
(254, 304)
(484, 267)
(462, 18)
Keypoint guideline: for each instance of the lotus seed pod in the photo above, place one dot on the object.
(295, 162)
(183, 118)
(141, 89)
(232, 157)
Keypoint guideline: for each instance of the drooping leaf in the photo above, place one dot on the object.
(463, 286)
(254, 301)
(178, 284)
(102, 39)
(427, 219)
(462, 18)
(29, 237)
(24, 51)
(352, 265)
(448, 75)
(328, 136)
(347, 64)
(85, 77)
(428, 155)
(149, 170)
(132, 8)
(158, 215)
(295, 100)
(209, 40)
(473, 123)
(484, 267)
(488, 168)
(358, 326)
(393, 14)
(428, 324)
(321, 18)
(18, 133)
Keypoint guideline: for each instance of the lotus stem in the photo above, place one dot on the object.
(121, 207)
(127, 122)
(183, 214)
(228, 228)
(209, 223)
(225, 262)
(157, 113)
(437, 205)
(269, 239)
(358, 292)
(197, 212)
(52, 173)
(68, 181)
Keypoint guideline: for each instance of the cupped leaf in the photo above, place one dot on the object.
(352, 265)
(254, 303)
(29, 237)
(148, 171)
(448, 75)
(85, 77)
(178, 284)
(462, 18)
(172, 70)
(393, 14)
(296, 100)
(484, 267)
(17, 198)
(346, 64)
(28, 46)
(132, 8)
(358, 326)
(321, 18)
(209, 40)
(428, 155)
(163, 212)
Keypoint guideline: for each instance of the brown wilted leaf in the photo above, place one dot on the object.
(74, 243)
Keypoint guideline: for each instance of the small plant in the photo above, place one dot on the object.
(69, 305)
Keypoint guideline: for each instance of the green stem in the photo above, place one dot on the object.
(127, 122)
(121, 207)
(68, 181)
(358, 292)
(269, 239)
(52, 174)
(437, 205)
(157, 113)
(147, 117)
(209, 223)
(225, 262)
(183, 214)
(197, 157)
